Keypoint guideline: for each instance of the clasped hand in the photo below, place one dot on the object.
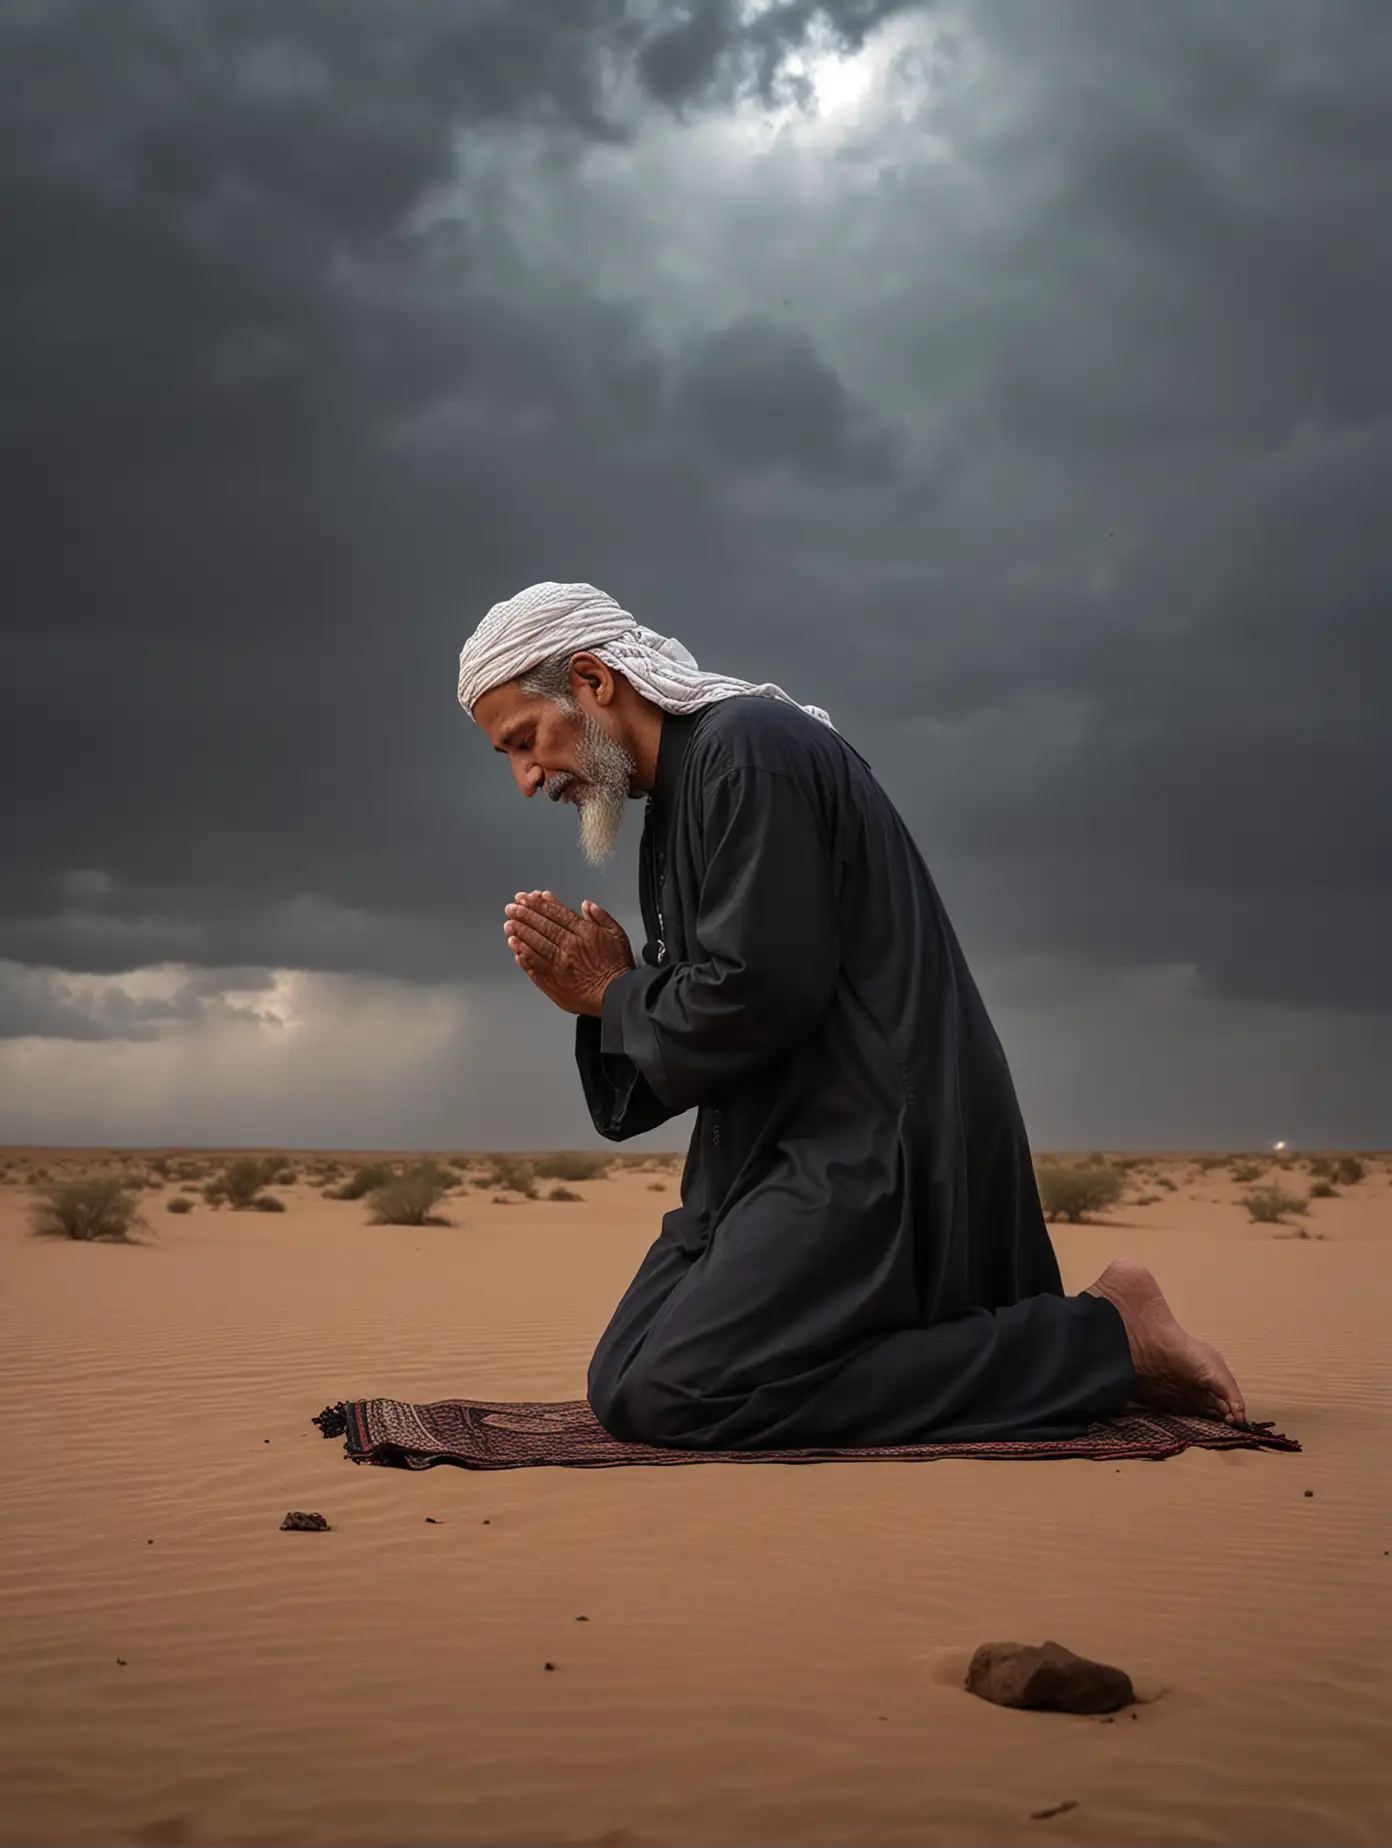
(571, 956)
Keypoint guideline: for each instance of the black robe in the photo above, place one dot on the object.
(859, 1256)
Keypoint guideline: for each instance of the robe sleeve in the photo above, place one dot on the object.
(620, 1099)
(769, 953)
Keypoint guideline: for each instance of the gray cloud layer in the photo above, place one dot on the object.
(1036, 423)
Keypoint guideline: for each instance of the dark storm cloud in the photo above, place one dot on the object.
(1067, 499)
(762, 396)
(718, 50)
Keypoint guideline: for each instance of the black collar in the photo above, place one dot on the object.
(672, 746)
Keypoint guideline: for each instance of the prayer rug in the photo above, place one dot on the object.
(498, 1434)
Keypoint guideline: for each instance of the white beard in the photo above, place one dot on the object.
(601, 818)
(607, 771)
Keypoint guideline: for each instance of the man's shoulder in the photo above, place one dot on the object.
(750, 731)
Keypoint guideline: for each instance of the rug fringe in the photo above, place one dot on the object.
(333, 1420)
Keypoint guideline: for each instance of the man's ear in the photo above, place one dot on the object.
(595, 676)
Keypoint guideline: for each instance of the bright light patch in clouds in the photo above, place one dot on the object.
(841, 84)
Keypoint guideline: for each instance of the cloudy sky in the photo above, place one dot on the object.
(1014, 380)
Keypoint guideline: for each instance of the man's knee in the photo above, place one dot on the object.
(646, 1403)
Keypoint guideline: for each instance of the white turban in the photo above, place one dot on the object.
(554, 619)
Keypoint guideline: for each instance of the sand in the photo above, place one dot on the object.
(770, 1654)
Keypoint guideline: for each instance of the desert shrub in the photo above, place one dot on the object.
(564, 1193)
(101, 1208)
(572, 1165)
(657, 1186)
(1349, 1170)
(1208, 1162)
(240, 1182)
(1070, 1193)
(1268, 1205)
(1321, 1190)
(407, 1199)
(502, 1200)
(366, 1180)
(1247, 1171)
(1148, 1199)
(179, 1204)
(284, 1177)
(1321, 1166)
(481, 1180)
(1165, 1182)
(516, 1175)
(267, 1203)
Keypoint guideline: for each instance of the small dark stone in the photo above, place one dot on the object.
(431, 1519)
(582, 1620)
(1056, 1809)
(304, 1523)
(120, 1661)
(149, 1543)
(1049, 1677)
(265, 1440)
(485, 1523)
(1309, 1494)
(548, 1665)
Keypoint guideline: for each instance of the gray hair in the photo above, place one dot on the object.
(551, 679)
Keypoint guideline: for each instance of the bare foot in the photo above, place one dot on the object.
(1174, 1371)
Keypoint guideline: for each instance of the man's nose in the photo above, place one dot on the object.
(529, 781)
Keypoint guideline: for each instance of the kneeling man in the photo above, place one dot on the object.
(860, 1256)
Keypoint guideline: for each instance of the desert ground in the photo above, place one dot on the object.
(768, 1654)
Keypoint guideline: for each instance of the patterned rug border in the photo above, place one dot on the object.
(489, 1434)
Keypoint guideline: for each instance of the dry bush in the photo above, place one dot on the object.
(1267, 1206)
(102, 1208)
(572, 1165)
(1164, 1181)
(240, 1182)
(1208, 1162)
(408, 1199)
(179, 1204)
(267, 1203)
(1349, 1170)
(657, 1186)
(1071, 1193)
(237, 1185)
(1321, 1190)
(564, 1193)
(1247, 1171)
(1320, 1165)
(284, 1177)
(502, 1200)
(516, 1175)
(368, 1179)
